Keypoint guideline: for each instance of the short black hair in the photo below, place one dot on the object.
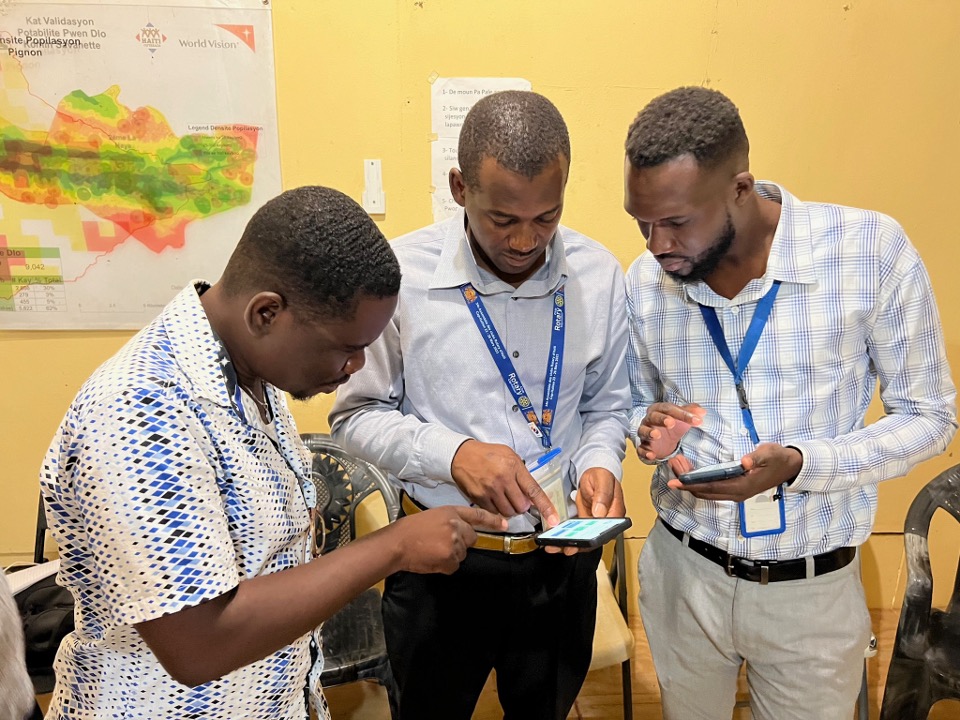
(687, 121)
(523, 131)
(319, 249)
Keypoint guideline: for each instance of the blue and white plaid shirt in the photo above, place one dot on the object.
(855, 305)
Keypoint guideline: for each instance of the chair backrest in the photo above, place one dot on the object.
(342, 482)
(943, 492)
(40, 538)
(613, 640)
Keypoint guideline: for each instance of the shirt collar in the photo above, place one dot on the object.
(195, 345)
(791, 254)
(457, 265)
(204, 360)
(198, 349)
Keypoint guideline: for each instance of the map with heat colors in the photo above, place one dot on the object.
(134, 146)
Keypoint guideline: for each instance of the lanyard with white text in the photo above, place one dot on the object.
(551, 384)
(775, 521)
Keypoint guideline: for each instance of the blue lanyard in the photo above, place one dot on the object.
(551, 384)
(750, 340)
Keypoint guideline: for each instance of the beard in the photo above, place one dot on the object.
(707, 261)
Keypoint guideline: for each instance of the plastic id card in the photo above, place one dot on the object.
(763, 514)
(546, 471)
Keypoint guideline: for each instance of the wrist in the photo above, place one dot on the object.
(394, 545)
(659, 461)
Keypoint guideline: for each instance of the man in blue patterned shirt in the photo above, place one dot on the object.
(760, 326)
(178, 488)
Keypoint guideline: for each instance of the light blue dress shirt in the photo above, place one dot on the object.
(430, 384)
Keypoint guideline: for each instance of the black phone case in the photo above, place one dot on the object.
(726, 474)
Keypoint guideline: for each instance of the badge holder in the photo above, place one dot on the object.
(547, 472)
(763, 514)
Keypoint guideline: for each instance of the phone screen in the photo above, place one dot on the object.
(584, 529)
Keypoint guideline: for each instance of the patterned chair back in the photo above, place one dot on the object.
(343, 482)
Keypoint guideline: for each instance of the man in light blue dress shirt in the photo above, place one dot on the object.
(508, 341)
(760, 325)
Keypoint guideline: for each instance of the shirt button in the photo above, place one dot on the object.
(516, 353)
(735, 310)
(744, 432)
(516, 409)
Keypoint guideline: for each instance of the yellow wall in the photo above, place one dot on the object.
(846, 101)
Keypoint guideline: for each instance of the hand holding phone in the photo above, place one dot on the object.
(583, 532)
(712, 473)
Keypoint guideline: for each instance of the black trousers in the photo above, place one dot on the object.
(529, 617)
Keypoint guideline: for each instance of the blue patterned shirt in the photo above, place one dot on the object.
(161, 495)
(855, 305)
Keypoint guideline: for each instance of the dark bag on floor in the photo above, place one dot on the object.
(47, 613)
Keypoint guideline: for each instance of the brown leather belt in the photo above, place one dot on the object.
(764, 571)
(509, 544)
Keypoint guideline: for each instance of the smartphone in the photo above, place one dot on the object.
(583, 532)
(710, 473)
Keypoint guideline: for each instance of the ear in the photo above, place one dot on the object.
(458, 188)
(743, 187)
(263, 311)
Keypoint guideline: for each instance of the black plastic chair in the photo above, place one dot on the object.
(925, 665)
(353, 642)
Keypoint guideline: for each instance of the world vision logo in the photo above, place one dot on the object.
(244, 32)
(151, 37)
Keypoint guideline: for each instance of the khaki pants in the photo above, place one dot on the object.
(802, 640)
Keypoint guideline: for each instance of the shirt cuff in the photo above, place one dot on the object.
(819, 469)
(599, 460)
(443, 444)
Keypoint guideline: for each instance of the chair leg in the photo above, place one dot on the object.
(863, 699)
(386, 679)
(907, 693)
(627, 682)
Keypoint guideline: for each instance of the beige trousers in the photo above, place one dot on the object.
(802, 640)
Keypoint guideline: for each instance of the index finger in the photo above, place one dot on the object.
(480, 519)
(690, 413)
(531, 488)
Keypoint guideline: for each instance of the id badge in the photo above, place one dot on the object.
(547, 472)
(763, 514)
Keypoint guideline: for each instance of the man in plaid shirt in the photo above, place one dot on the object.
(760, 325)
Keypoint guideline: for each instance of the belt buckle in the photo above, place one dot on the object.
(729, 567)
(509, 540)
